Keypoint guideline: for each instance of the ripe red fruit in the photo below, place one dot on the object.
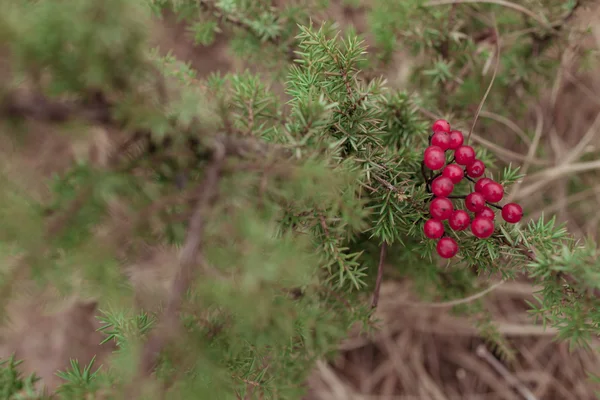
(493, 192)
(459, 220)
(447, 247)
(482, 227)
(441, 208)
(433, 229)
(481, 183)
(464, 155)
(441, 139)
(456, 139)
(441, 125)
(512, 213)
(442, 186)
(476, 169)
(486, 212)
(434, 157)
(454, 172)
(475, 202)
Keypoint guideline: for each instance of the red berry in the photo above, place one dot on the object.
(433, 229)
(447, 247)
(464, 155)
(493, 192)
(481, 183)
(441, 208)
(456, 139)
(482, 227)
(454, 172)
(476, 169)
(441, 125)
(486, 212)
(442, 186)
(441, 139)
(459, 220)
(512, 213)
(434, 157)
(475, 202)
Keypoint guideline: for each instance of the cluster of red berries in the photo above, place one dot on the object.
(486, 192)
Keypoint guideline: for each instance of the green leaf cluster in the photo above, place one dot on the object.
(310, 186)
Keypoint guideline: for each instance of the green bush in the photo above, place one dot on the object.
(281, 209)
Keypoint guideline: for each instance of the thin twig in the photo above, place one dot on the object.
(190, 255)
(585, 141)
(457, 302)
(489, 88)
(531, 152)
(389, 186)
(35, 105)
(542, 178)
(382, 254)
(554, 207)
(507, 122)
(484, 354)
(507, 154)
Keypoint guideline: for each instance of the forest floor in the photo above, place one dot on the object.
(423, 351)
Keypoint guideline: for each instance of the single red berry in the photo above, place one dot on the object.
(464, 155)
(476, 169)
(441, 139)
(482, 227)
(441, 208)
(459, 220)
(442, 186)
(493, 192)
(454, 172)
(475, 202)
(456, 139)
(481, 183)
(433, 229)
(486, 212)
(447, 247)
(441, 125)
(434, 157)
(512, 213)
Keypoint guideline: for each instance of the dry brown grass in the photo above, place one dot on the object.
(423, 351)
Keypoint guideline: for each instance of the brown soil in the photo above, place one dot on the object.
(47, 340)
(421, 351)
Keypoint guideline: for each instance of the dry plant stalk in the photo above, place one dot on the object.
(191, 256)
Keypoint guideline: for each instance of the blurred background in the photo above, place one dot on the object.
(545, 119)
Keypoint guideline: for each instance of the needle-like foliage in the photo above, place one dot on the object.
(281, 209)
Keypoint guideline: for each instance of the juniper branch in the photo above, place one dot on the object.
(531, 256)
(241, 23)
